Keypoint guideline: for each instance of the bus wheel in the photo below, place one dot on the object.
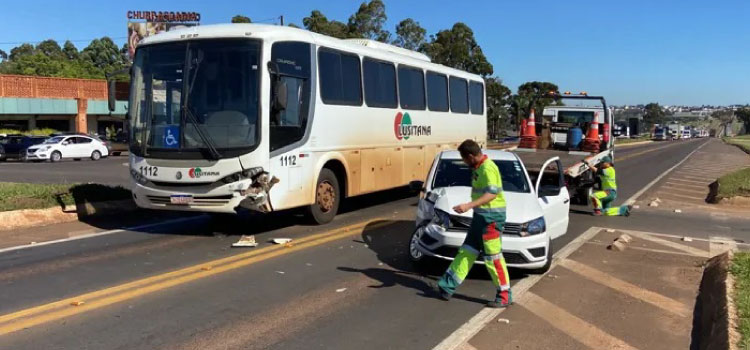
(327, 198)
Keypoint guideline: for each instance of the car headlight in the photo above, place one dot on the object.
(534, 227)
(46, 148)
(138, 177)
(442, 218)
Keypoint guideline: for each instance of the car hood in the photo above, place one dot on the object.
(521, 207)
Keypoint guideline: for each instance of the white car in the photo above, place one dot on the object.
(57, 148)
(537, 210)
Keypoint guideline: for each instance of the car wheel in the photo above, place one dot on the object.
(546, 266)
(327, 198)
(417, 258)
(55, 157)
(96, 155)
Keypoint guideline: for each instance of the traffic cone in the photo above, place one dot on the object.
(528, 134)
(591, 143)
(607, 133)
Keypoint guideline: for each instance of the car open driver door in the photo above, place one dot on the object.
(553, 196)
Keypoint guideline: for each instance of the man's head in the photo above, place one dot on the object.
(607, 159)
(470, 152)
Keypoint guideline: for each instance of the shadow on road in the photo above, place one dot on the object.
(390, 244)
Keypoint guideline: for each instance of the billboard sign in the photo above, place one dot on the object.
(142, 24)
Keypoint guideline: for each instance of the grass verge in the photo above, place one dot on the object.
(740, 269)
(743, 142)
(734, 184)
(17, 196)
(621, 141)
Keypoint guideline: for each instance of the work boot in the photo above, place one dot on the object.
(627, 210)
(597, 212)
(443, 295)
(502, 299)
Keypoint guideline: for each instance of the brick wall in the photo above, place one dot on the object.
(65, 88)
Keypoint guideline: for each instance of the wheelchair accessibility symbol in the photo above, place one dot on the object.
(172, 137)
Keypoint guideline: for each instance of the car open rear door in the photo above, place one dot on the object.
(553, 196)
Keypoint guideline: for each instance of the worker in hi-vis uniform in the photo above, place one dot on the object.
(486, 228)
(603, 199)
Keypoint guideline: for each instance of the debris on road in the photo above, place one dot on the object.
(280, 272)
(340, 290)
(636, 206)
(617, 246)
(380, 264)
(678, 211)
(610, 230)
(246, 241)
(624, 238)
(281, 240)
(552, 276)
(77, 303)
(687, 239)
(503, 320)
(308, 264)
(653, 204)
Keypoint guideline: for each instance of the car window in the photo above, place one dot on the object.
(52, 140)
(82, 140)
(453, 172)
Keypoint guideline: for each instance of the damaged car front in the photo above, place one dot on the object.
(440, 231)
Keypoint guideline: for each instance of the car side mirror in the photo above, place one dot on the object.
(416, 186)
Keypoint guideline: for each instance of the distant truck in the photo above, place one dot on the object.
(686, 133)
(634, 126)
(561, 121)
(674, 131)
(661, 133)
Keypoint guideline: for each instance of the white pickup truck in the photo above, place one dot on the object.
(537, 210)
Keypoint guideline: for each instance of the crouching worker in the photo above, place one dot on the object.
(602, 200)
(484, 234)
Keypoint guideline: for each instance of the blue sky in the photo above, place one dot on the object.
(667, 51)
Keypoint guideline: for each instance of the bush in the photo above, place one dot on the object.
(35, 132)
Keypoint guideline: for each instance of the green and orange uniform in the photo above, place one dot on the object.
(603, 199)
(484, 235)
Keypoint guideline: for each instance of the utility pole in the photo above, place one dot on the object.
(281, 18)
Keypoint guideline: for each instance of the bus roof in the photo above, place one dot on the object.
(362, 47)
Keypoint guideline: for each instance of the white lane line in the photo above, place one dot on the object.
(674, 245)
(632, 198)
(588, 334)
(103, 233)
(665, 303)
(469, 329)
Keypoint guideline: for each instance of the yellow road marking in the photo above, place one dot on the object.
(586, 333)
(629, 156)
(605, 279)
(60, 309)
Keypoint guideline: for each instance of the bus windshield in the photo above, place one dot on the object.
(188, 97)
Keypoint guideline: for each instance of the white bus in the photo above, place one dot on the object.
(262, 117)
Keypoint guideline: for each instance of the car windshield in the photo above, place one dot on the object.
(453, 172)
(189, 96)
(52, 140)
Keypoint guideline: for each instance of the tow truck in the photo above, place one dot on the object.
(553, 129)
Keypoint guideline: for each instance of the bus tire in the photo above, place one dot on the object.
(327, 198)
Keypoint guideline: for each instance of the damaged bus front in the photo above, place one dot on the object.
(195, 126)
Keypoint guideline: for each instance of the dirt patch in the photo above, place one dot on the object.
(737, 201)
(715, 318)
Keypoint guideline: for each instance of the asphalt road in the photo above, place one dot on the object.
(110, 171)
(345, 285)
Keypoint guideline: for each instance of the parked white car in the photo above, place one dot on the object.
(537, 210)
(57, 148)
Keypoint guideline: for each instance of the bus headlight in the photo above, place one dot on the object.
(140, 179)
(534, 227)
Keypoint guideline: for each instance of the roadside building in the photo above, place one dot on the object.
(79, 105)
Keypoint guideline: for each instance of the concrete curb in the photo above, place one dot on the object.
(714, 323)
(632, 144)
(18, 219)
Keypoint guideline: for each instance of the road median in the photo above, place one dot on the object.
(25, 205)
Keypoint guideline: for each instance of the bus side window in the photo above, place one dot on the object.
(288, 126)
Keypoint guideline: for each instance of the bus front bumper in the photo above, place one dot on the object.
(209, 198)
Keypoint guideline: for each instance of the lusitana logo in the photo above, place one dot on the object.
(403, 128)
(195, 173)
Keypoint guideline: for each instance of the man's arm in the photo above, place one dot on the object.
(484, 199)
(592, 166)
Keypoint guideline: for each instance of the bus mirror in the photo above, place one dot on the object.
(111, 87)
(280, 96)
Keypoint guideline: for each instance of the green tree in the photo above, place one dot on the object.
(318, 23)
(3, 55)
(50, 48)
(70, 50)
(459, 49)
(743, 114)
(409, 34)
(241, 19)
(22, 50)
(653, 114)
(536, 93)
(368, 22)
(104, 55)
(498, 103)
